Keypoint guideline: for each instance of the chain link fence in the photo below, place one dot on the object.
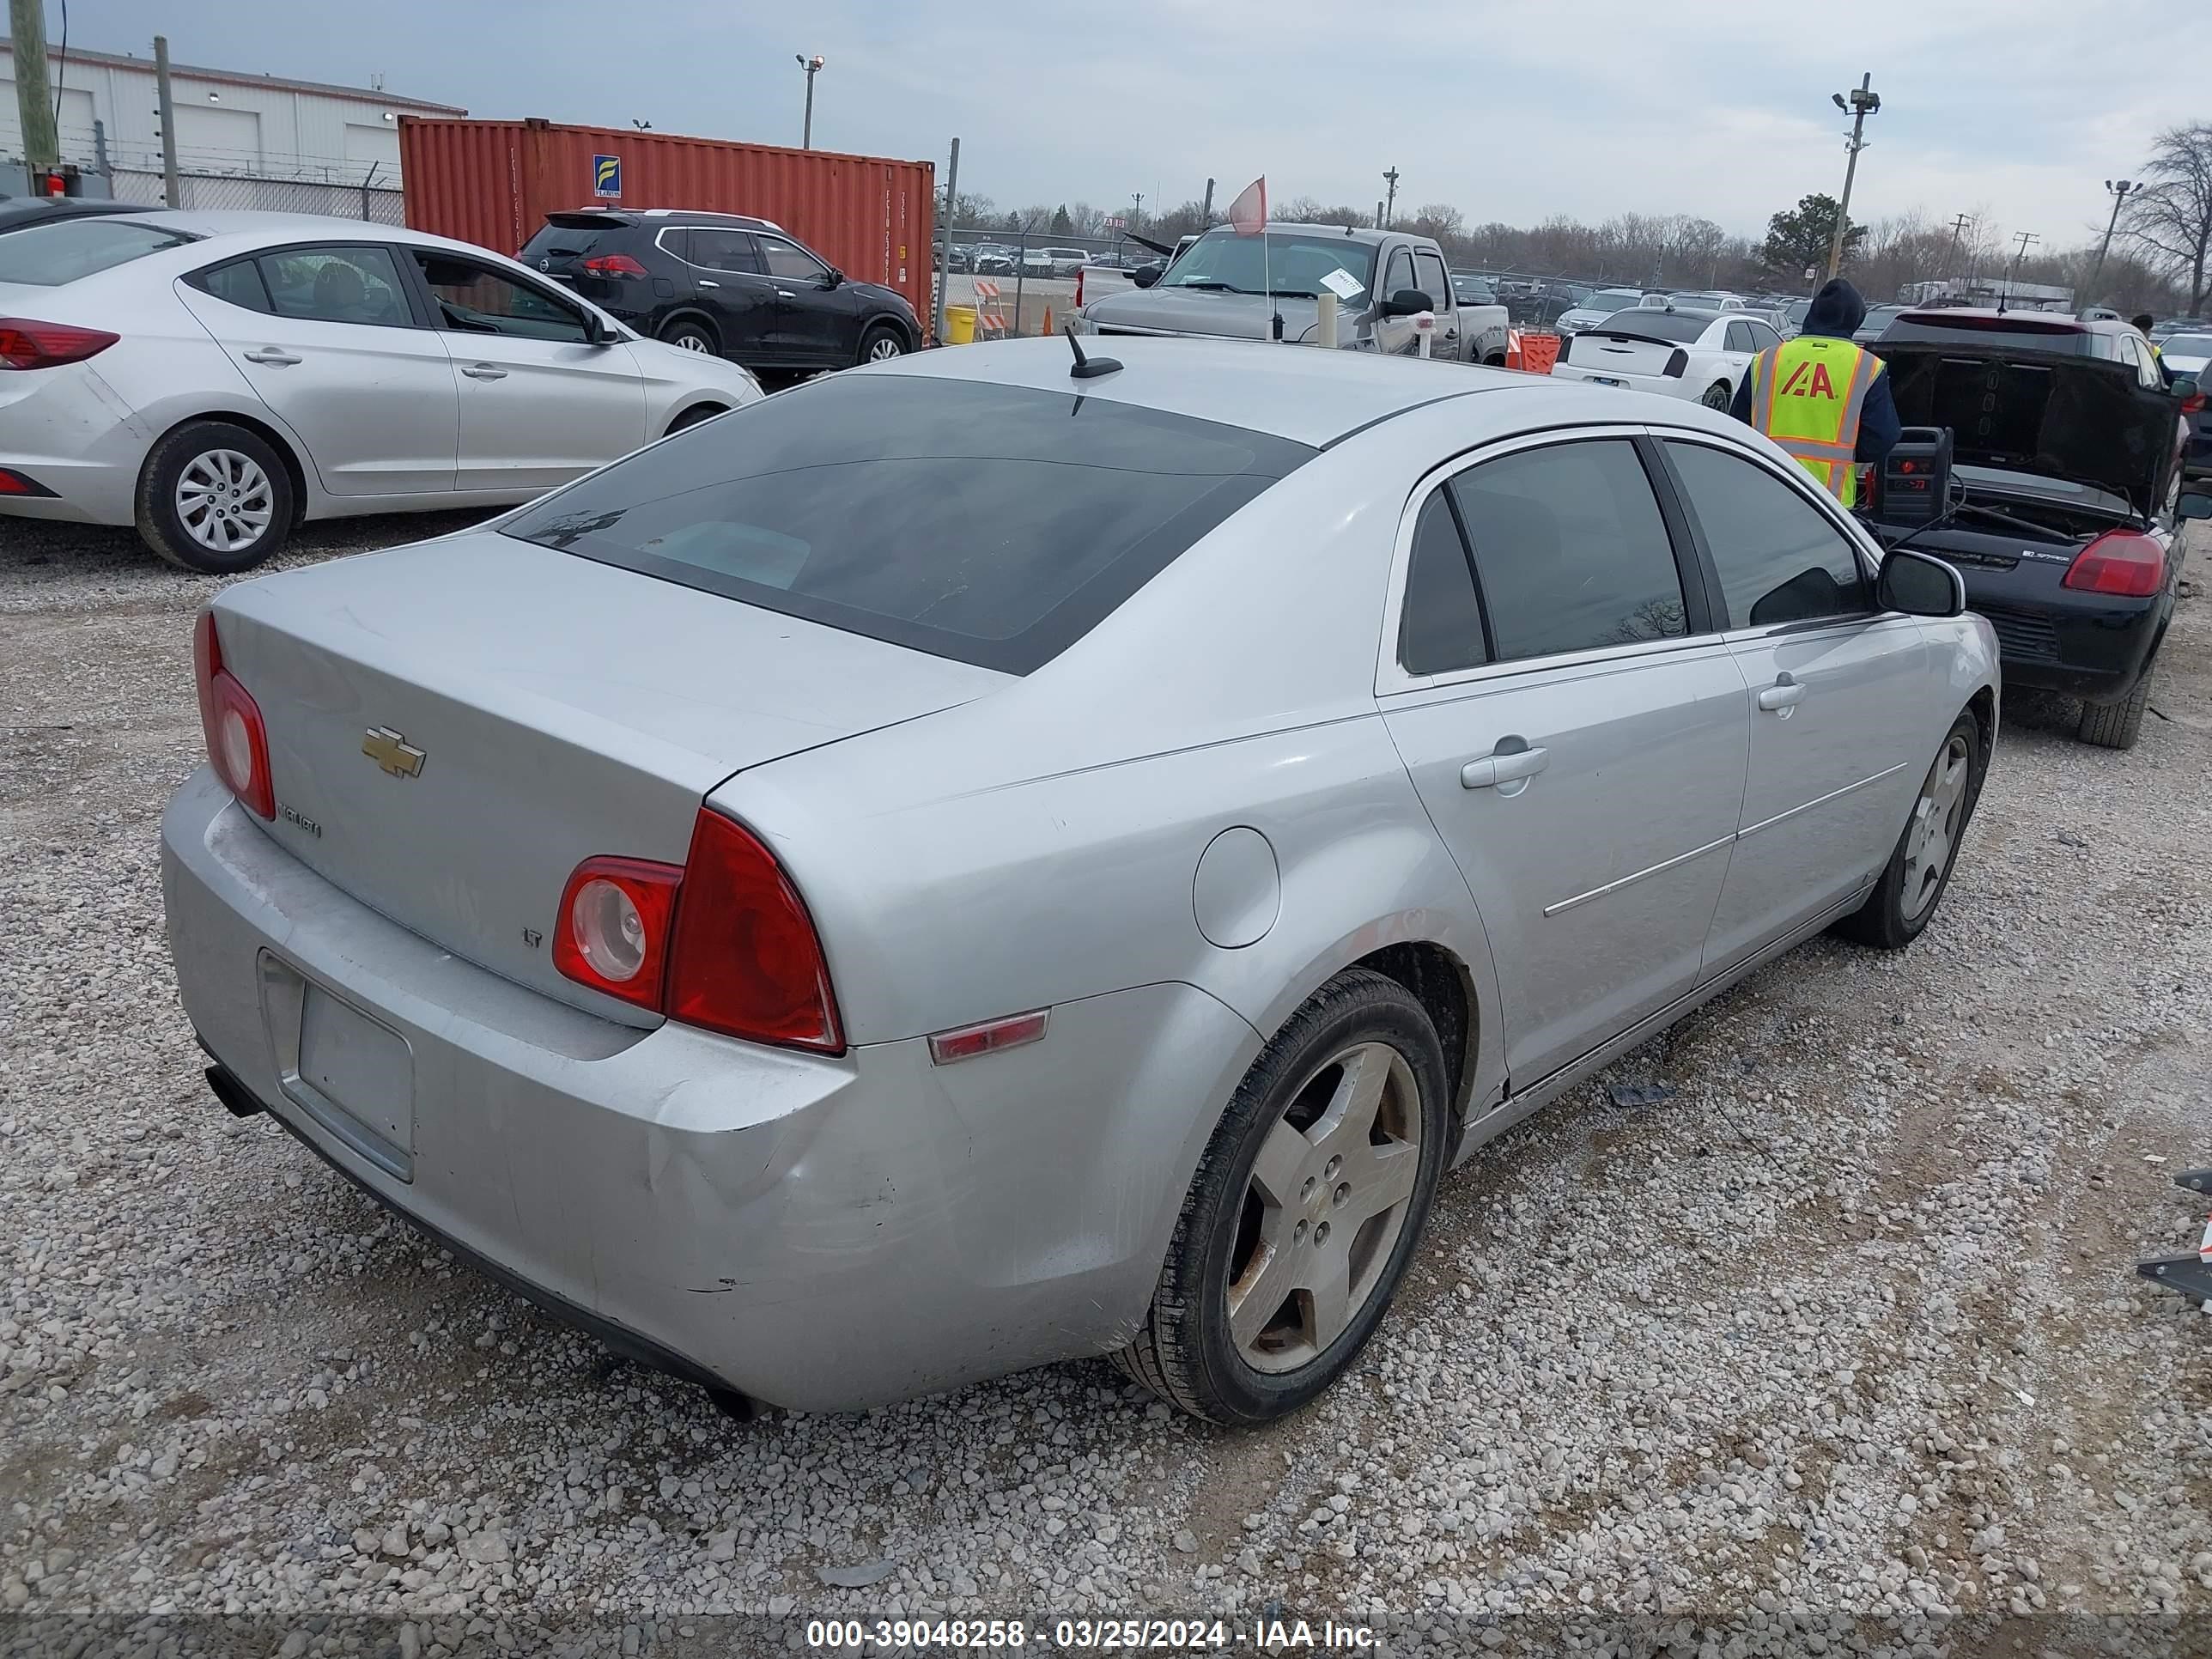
(235, 179)
(231, 191)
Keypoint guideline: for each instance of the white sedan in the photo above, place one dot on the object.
(1678, 354)
(216, 379)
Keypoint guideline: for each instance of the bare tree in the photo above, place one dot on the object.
(2172, 220)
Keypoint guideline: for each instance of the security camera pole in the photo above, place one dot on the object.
(1864, 102)
(813, 67)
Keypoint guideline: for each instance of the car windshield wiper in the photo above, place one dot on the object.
(1209, 284)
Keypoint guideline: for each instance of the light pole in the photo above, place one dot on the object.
(2119, 194)
(1390, 202)
(813, 67)
(1863, 103)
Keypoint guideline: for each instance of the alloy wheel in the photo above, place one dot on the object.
(224, 501)
(1329, 1193)
(883, 348)
(1933, 835)
(689, 341)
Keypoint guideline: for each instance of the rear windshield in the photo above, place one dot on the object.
(46, 256)
(554, 237)
(1655, 325)
(2188, 345)
(993, 525)
(2016, 332)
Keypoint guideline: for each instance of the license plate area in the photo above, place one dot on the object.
(353, 1074)
(1606, 380)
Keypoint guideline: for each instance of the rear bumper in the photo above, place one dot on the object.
(68, 431)
(1665, 385)
(819, 1233)
(2096, 653)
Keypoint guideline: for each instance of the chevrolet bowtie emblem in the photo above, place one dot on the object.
(392, 752)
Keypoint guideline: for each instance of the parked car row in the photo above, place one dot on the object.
(747, 770)
(996, 259)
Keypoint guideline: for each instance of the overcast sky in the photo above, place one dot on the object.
(1515, 111)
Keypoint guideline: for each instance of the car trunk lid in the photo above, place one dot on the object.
(1606, 351)
(449, 740)
(2084, 419)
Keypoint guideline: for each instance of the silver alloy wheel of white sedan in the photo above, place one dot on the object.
(224, 501)
(1937, 818)
(1329, 1196)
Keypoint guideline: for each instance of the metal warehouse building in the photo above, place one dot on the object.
(243, 140)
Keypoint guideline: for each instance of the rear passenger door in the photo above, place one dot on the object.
(326, 335)
(1840, 696)
(734, 289)
(1577, 734)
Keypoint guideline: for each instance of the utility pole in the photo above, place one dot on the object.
(1205, 211)
(1390, 202)
(2119, 194)
(944, 247)
(1951, 259)
(1137, 211)
(2023, 237)
(34, 98)
(1864, 102)
(173, 188)
(813, 67)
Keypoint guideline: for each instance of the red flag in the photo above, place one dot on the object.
(1247, 214)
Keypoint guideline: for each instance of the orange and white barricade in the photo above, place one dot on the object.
(990, 317)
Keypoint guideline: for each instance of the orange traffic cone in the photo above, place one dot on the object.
(1513, 347)
(1046, 332)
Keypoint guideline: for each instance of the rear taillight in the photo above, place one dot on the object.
(747, 961)
(2123, 563)
(614, 264)
(724, 942)
(2193, 403)
(27, 344)
(614, 927)
(237, 741)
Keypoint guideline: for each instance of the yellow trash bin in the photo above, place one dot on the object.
(960, 325)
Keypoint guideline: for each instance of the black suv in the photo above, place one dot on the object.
(741, 288)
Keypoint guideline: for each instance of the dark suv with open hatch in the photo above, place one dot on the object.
(741, 288)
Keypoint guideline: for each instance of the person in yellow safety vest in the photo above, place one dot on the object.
(1821, 398)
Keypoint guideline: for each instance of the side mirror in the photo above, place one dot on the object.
(1145, 275)
(2182, 385)
(1406, 302)
(2194, 504)
(834, 279)
(1922, 585)
(595, 331)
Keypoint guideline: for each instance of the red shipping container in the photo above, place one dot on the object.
(493, 182)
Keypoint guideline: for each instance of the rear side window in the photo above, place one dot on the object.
(722, 250)
(238, 284)
(337, 285)
(993, 525)
(1440, 621)
(1434, 282)
(1570, 548)
(1779, 559)
(1739, 337)
(46, 256)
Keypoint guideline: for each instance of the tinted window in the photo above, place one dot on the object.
(571, 240)
(1762, 338)
(723, 250)
(1431, 278)
(239, 282)
(1739, 337)
(46, 256)
(1570, 548)
(995, 524)
(474, 299)
(2189, 346)
(1399, 274)
(335, 285)
(1779, 559)
(1440, 623)
(1683, 325)
(787, 260)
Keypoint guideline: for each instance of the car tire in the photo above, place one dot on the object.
(1718, 395)
(207, 482)
(692, 334)
(1912, 882)
(692, 417)
(2118, 725)
(1259, 1208)
(881, 342)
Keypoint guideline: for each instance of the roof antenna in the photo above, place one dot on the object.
(1087, 368)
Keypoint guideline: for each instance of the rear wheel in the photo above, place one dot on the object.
(1305, 1209)
(215, 497)
(1717, 396)
(1903, 901)
(881, 343)
(691, 334)
(2118, 725)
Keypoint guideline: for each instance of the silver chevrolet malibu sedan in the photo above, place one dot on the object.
(965, 865)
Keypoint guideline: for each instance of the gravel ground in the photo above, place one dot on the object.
(1844, 1328)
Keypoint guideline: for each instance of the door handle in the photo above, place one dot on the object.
(484, 372)
(706, 283)
(1504, 765)
(785, 293)
(274, 356)
(1784, 695)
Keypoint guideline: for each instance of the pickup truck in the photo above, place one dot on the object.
(1225, 284)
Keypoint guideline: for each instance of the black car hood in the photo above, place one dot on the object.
(877, 291)
(2083, 419)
